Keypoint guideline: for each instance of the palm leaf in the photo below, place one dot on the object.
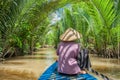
(105, 10)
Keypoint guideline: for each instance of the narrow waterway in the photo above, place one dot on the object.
(30, 67)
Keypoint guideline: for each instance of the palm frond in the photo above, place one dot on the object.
(104, 9)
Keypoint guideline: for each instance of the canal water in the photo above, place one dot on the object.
(30, 67)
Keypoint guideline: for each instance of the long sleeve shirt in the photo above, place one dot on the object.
(67, 62)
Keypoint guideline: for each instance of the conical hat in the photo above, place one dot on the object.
(70, 35)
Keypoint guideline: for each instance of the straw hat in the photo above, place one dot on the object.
(70, 35)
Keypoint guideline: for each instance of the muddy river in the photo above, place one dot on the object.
(30, 67)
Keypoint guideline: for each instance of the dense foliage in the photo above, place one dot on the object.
(26, 25)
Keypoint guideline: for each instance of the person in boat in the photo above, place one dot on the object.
(67, 51)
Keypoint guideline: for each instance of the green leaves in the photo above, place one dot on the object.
(26, 21)
(104, 10)
(104, 15)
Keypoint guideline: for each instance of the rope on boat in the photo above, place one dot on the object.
(84, 62)
(104, 77)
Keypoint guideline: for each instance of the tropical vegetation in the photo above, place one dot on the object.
(26, 25)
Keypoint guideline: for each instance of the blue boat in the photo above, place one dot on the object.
(52, 74)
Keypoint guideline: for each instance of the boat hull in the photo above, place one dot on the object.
(52, 74)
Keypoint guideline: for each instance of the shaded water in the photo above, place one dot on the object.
(30, 67)
(109, 67)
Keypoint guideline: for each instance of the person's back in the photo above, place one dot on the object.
(67, 52)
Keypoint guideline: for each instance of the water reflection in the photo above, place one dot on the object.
(49, 57)
(25, 65)
(37, 63)
(14, 63)
(109, 67)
